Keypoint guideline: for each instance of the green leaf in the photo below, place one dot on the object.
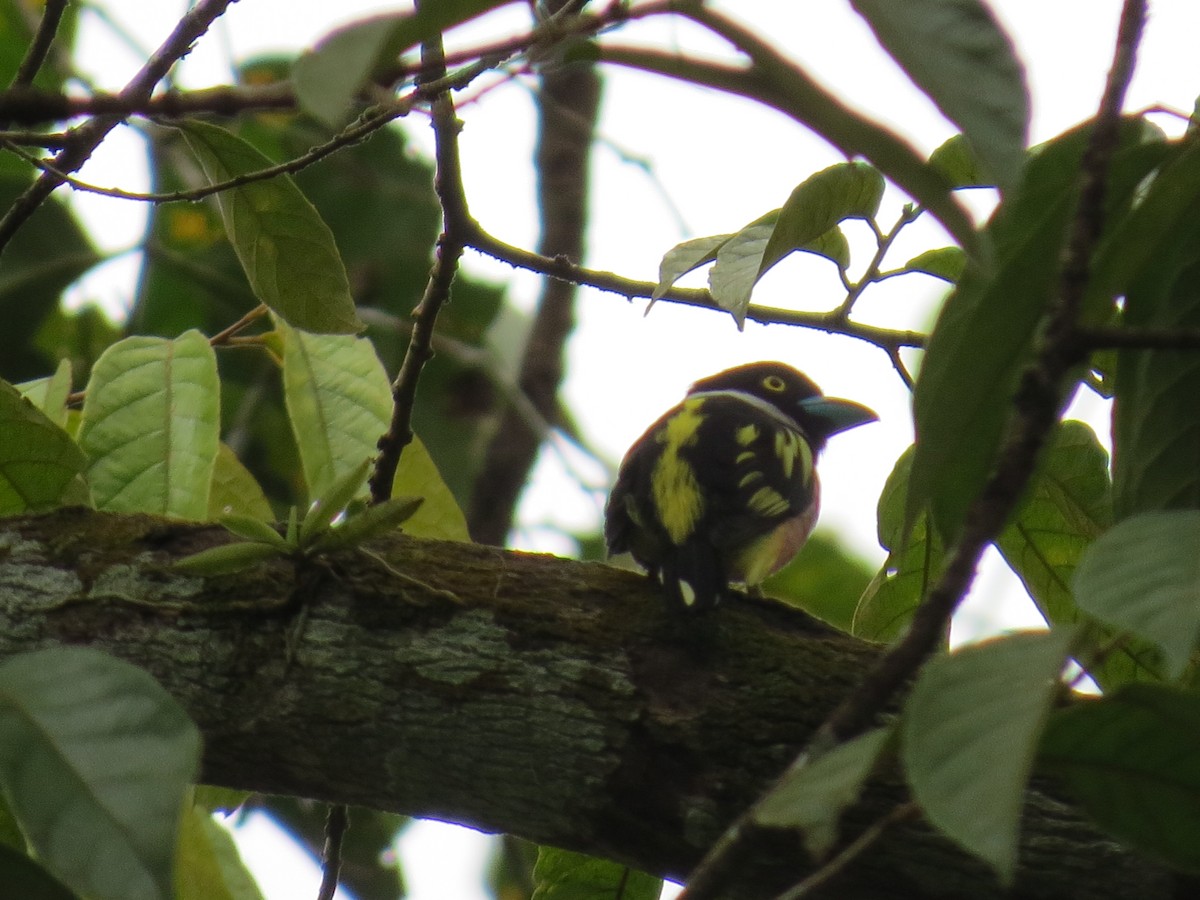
(563, 875)
(235, 491)
(227, 558)
(95, 758)
(957, 53)
(332, 502)
(38, 460)
(843, 191)
(50, 394)
(1133, 761)
(329, 77)
(958, 162)
(285, 248)
(1067, 506)
(914, 562)
(946, 263)
(1144, 575)
(439, 516)
(338, 400)
(1166, 213)
(372, 522)
(683, 258)
(24, 878)
(814, 797)
(208, 865)
(1156, 432)
(984, 334)
(252, 529)
(151, 426)
(969, 734)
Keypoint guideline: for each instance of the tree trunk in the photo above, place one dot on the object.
(556, 700)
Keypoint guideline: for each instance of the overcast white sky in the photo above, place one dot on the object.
(721, 162)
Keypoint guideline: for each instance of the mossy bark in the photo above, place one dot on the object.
(556, 700)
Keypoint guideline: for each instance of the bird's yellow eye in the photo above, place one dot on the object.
(774, 384)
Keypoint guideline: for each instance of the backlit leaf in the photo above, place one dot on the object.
(38, 460)
(151, 426)
(285, 248)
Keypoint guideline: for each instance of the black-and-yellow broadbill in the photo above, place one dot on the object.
(723, 488)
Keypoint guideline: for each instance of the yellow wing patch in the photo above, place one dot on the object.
(677, 497)
(768, 502)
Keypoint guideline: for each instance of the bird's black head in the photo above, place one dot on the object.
(794, 394)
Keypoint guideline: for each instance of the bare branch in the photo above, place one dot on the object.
(88, 136)
(455, 228)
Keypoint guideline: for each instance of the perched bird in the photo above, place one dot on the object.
(722, 488)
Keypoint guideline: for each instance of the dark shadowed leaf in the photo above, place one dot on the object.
(960, 164)
(958, 54)
(1133, 760)
(984, 333)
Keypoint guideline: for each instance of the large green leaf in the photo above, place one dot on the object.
(286, 249)
(339, 403)
(208, 865)
(812, 798)
(914, 562)
(1067, 506)
(95, 759)
(984, 334)
(958, 54)
(969, 734)
(1133, 760)
(38, 460)
(151, 426)
(1144, 575)
(563, 875)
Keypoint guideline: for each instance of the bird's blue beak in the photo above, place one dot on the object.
(835, 415)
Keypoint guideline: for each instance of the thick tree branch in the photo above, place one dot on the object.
(561, 701)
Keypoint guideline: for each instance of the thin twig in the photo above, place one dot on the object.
(849, 853)
(88, 136)
(883, 243)
(455, 227)
(564, 269)
(336, 824)
(352, 134)
(1120, 337)
(39, 47)
(1036, 407)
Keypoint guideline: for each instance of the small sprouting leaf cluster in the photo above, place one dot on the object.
(306, 537)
